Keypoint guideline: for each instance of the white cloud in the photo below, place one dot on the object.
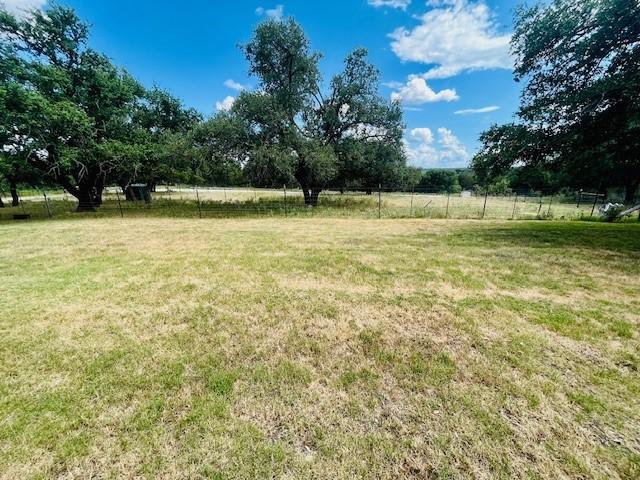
(422, 150)
(233, 85)
(20, 7)
(473, 111)
(276, 13)
(403, 4)
(226, 104)
(423, 134)
(416, 92)
(452, 149)
(455, 36)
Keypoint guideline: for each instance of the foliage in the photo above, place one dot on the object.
(292, 131)
(580, 109)
(85, 122)
(73, 118)
(440, 181)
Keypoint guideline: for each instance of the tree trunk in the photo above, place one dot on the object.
(15, 199)
(98, 190)
(127, 191)
(307, 196)
(85, 199)
(630, 190)
(315, 193)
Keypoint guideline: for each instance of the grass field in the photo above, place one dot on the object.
(176, 202)
(319, 348)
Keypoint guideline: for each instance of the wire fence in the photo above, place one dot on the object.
(378, 202)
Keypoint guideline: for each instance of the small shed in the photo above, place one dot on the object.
(140, 192)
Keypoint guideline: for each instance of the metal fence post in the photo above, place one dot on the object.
(46, 203)
(379, 201)
(484, 209)
(286, 213)
(515, 204)
(198, 201)
(550, 204)
(119, 203)
(411, 207)
(21, 202)
(579, 198)
(540, 206)
(448, 201)
(595, 202)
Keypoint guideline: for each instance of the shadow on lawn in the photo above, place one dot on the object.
(622, 237)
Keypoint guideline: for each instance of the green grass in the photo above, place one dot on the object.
(319, 348)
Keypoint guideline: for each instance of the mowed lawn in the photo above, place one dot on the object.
(319, 348)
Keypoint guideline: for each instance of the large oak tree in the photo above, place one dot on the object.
(319, 136)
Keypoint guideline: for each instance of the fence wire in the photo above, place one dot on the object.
(375, 202)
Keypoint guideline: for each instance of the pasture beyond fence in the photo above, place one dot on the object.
(379, 202)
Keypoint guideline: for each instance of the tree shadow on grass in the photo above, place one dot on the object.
(623, 237)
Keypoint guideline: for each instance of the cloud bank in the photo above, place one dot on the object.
(456, 36)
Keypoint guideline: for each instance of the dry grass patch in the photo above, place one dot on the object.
(319, 348)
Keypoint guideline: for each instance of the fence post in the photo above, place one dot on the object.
(21, 203)
(515, 203)
(379, 201)
(448, 201)
(550, 203)
(46, 202)
(286, 212)
(411, 207)
(119, 203)
(484, 209)
(579, 198)
(198, 201)
(595, 202)
(540, 206)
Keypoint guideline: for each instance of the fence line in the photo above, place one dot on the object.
(378, 202)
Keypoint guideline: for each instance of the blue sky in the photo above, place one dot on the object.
(447, 61)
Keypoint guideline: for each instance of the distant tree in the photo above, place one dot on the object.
(580, 110)
(532, 178)
(411, 178)
(467, 179)
(440, 181)
(221, 149)
(157, 144)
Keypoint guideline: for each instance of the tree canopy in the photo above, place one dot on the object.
(580, 108)
(72, 118)
(296, 129)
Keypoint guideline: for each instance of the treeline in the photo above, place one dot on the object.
(524, 180)
(71, 118)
